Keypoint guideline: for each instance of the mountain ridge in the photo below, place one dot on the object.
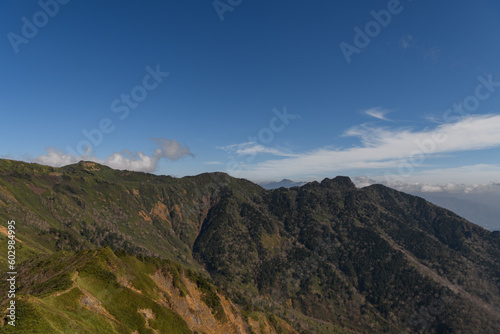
(359, 260)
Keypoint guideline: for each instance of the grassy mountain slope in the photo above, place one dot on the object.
(322, 258)
(95, 291)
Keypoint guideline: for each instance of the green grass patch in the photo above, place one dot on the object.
(28, 321)
(66, 314)
(124, 303)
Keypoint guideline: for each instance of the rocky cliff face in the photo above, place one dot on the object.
(321, 258)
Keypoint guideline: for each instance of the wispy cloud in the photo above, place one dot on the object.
(384, 148)
(377, 112)
(253, 148)
(213, 163)
(138, 161)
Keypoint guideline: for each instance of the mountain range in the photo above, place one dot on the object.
(478, 207)
(113, 251)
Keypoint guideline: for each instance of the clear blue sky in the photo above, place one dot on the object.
(360, 115)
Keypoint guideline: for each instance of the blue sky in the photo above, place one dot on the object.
(273, 90)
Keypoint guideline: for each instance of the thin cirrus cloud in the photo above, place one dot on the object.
(378, 113)
(253, 148)
(383, 148)
(139, 161)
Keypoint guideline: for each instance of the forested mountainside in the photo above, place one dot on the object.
(110, 251)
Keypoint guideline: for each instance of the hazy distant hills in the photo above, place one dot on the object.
(473, 207)
(109, 251)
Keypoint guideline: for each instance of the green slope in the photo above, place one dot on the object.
(95, 291)
(81, 293)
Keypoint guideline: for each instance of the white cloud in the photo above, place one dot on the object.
(252, 148)
(170, 149)
(377, 113)
(456, 176)
(384, 148)
(212, 163)
(136, 162)
(56, 158)
(364, 181)
(431, 189)
(139, 161)
(432, 181)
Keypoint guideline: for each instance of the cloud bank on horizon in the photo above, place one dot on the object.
(403, 153)
(426, 187)
(138, 161)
